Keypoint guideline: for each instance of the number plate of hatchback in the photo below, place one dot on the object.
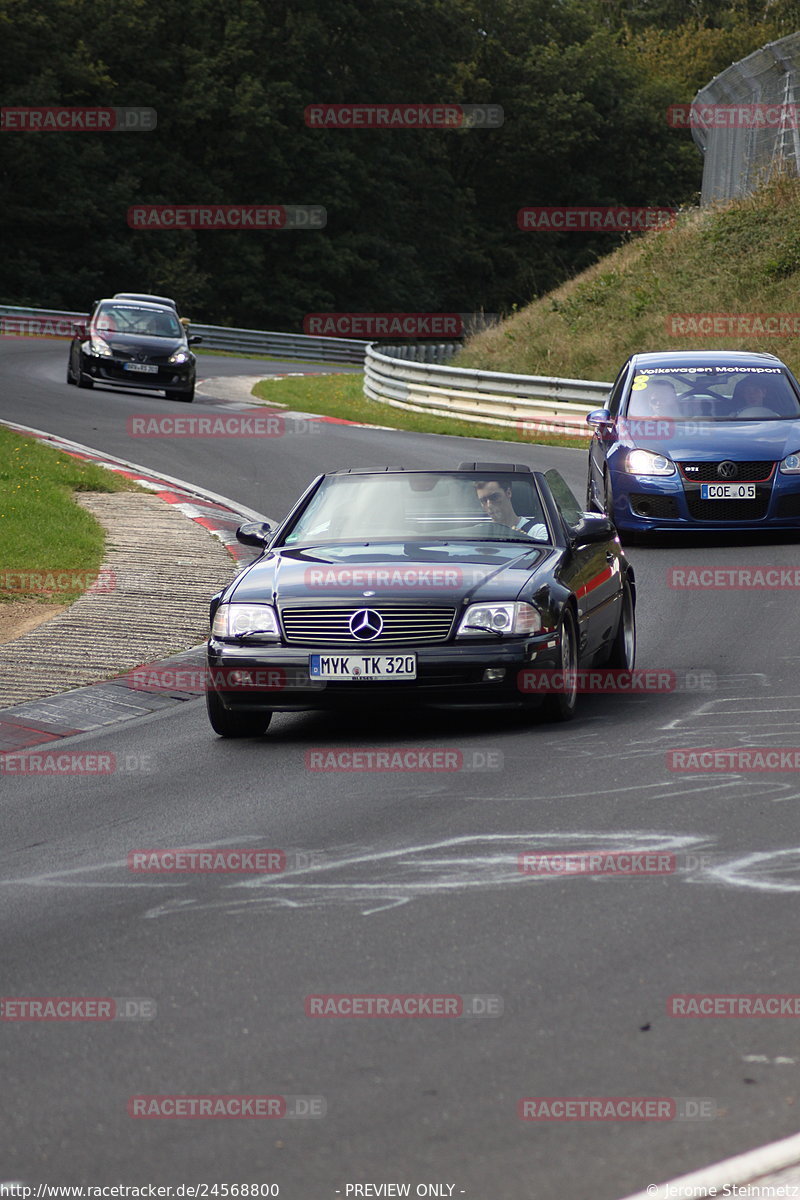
(727, 491)
(148, 368)
(358, 667)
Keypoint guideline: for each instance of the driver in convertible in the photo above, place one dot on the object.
(496, 500)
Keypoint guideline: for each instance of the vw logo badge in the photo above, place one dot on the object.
(366, 624)
(727, 470)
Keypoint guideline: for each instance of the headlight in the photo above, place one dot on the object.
(100, 347)
(790, 465)
(642, 462)
(180, 356)
(257, 621)
(517, 617)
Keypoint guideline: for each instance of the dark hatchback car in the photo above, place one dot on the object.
(135, 345)
(698, 440)
(404, 587)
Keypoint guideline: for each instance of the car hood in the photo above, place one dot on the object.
(709, 441)
(131, 342)
(380, 572)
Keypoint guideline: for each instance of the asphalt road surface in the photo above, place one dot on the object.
(407, 882)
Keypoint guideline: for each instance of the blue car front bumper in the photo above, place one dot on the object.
(647, 503)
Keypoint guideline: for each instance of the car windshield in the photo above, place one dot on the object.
(483, 507)
(135, 318)
(713, 393)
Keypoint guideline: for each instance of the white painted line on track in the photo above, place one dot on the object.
(744, 1168)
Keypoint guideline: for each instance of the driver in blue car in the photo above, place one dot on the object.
(496, 500)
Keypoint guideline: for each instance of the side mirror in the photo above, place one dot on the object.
(592, 527)
(599, 416)
(254, 533)
(194, 340)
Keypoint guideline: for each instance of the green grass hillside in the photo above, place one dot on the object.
(743, 257)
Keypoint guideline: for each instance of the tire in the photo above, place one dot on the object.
(186, 397)
(622, 654)
(561, 706)
(591, 503)
(70, 376)
(232, 724)
(608, 497)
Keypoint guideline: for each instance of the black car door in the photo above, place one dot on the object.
(591, 570)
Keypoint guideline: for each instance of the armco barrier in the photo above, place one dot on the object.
(410, 376)
(485, 397)
(237, 341)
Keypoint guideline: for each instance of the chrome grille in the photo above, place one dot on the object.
(403, 624)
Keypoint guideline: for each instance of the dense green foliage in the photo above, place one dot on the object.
(417, 221)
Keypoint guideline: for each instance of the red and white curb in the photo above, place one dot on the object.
(236, 392)
(220, 515)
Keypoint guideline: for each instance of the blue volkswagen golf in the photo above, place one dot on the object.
(700, 440)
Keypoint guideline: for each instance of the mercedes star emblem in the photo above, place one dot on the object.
(366, 624)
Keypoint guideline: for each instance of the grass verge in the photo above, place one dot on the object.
(43, 532)
(343, 396)
(742, 257)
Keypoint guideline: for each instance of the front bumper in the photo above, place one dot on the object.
(644, 503)
(447, 675)
(177, 377)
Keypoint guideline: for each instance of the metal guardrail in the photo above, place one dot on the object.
(216, 337)
(410, 376)
(529, 403)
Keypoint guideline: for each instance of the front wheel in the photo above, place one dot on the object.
(561, 706)
(592, 505)
(622, 655)
(235, 724)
